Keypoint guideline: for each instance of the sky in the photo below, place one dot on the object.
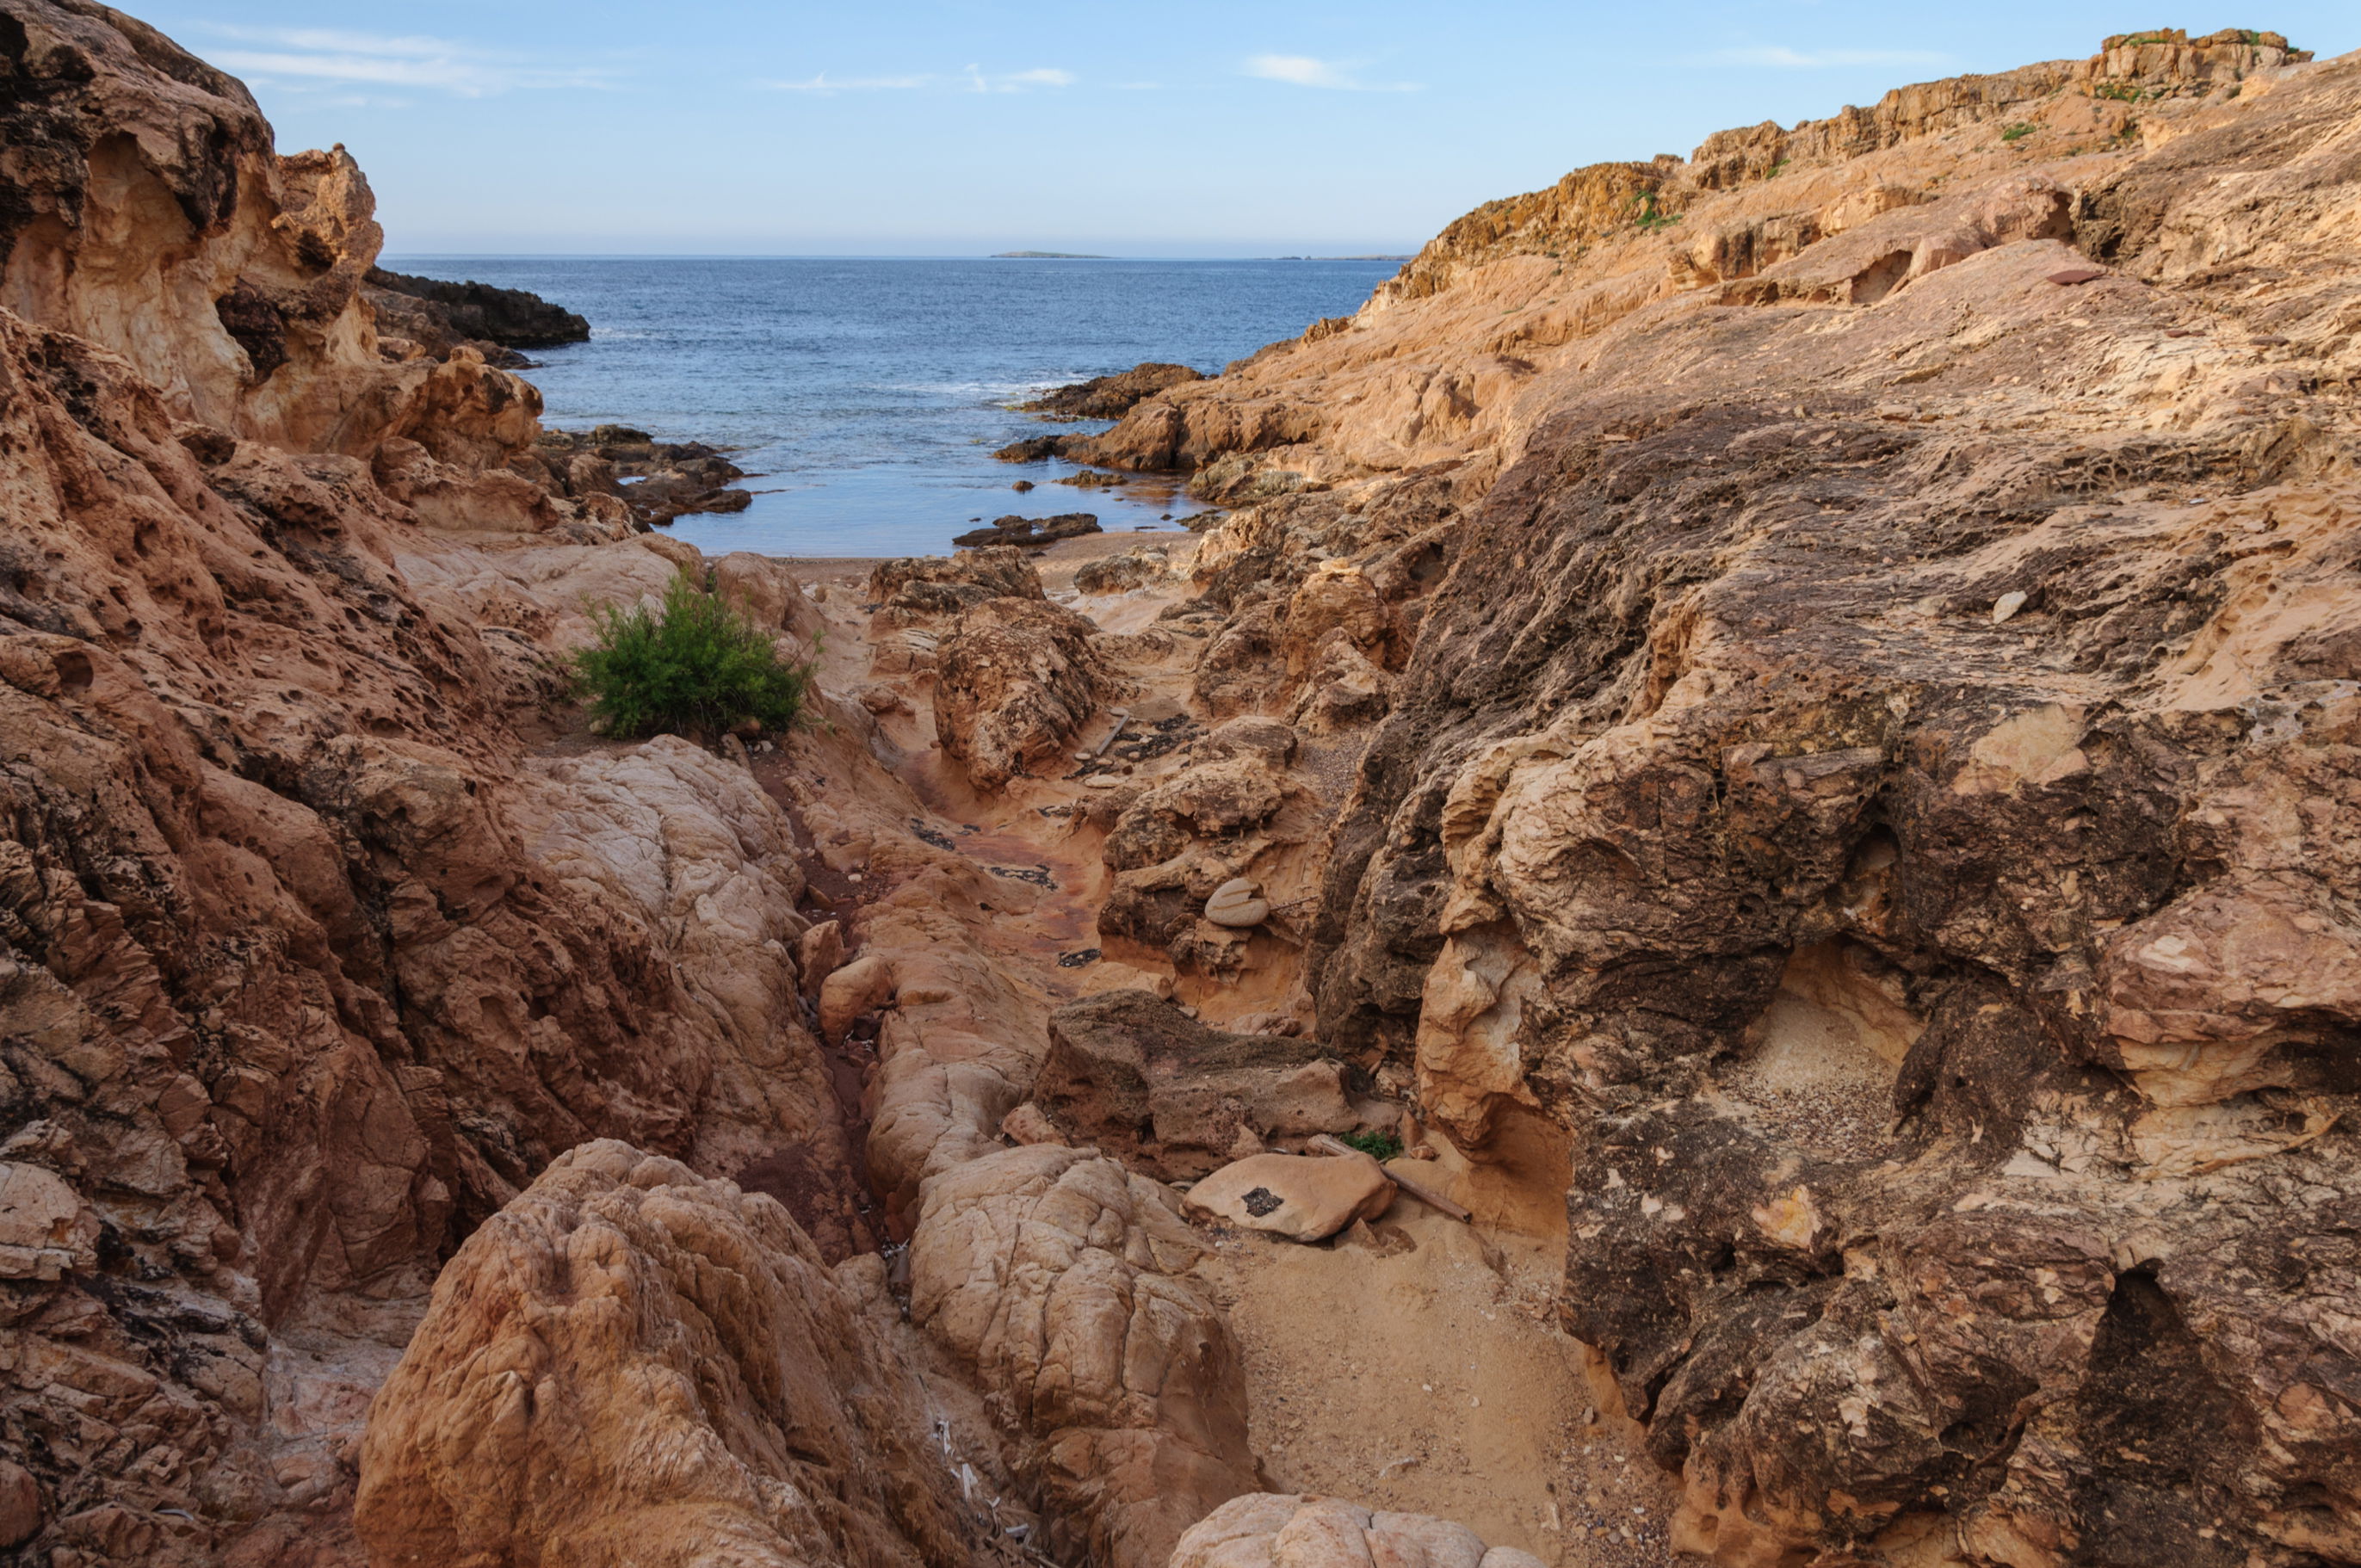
(934, 127)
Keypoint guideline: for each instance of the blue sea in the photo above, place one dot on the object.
(865, 396)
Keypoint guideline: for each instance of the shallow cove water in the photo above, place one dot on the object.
(868, 396)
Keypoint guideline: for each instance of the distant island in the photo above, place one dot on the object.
(1045, 255)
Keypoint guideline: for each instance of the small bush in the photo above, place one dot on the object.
(2018, 132)
(695, 666)
(1648, 216)
(1377, 1146)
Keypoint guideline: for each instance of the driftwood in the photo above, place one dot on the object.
(1328, 1145)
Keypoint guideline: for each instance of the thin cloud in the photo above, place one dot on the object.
(1780, 58)
(824, 83)
(973, 78)
(1303, 71)
(1018, 81)
(316, 58)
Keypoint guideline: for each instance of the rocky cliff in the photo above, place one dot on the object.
(1862, 624)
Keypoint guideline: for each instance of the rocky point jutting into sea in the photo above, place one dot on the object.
(1787, 721)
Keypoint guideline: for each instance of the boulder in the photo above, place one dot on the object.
(1306, 1198)
(1131, 1073)
(940, 584)
(1263, 1530)
(818, 954)
(1061, 1281)
(1015, 679)
(632, 1365)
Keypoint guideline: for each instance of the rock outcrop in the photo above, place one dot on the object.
(1112, 397)
(435, 315)
(1264, 1530)
(628, 1364)
(1015, 680)
(143, 208)
(1131, 1073)
(1853, 666)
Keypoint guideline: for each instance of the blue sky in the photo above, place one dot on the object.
(964, 126)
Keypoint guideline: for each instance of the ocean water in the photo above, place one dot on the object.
(865, 396)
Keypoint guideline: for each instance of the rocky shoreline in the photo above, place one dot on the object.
(1770, 730)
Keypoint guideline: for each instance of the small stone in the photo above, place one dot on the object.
(1027, 1125)
(819, 954)
(2073, 275)
(1238, 904)
(2008, 604)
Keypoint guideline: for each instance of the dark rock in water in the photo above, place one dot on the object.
(1112, 397)
(659, 481)
(1021, 485)
(510, 317)
(1036, 448)
(1030, 530)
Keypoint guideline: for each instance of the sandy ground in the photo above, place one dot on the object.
(1417, 1365)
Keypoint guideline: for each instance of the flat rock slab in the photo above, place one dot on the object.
(1307, 1198)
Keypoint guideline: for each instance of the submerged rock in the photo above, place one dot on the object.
(1029, 530)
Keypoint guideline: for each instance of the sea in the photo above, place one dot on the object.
(865, 398)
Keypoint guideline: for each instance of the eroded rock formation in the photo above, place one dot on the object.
(1811, 684)
(1860, 739)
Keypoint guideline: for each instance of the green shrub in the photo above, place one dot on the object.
(2018, 132)
(695, 666)
(1377, 1146)
(1647, 215)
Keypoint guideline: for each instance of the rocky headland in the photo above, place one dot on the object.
(1770, 729)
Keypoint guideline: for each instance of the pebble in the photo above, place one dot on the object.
(2008, 604)
(1238, 904)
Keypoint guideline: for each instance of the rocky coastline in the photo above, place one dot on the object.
(1712, 917)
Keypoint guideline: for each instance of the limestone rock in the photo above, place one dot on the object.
(1237, 902)
(147, 211)
(45, 1228)
(1055, 1276)
(633, 1365)
(1307, 1198)
(1027, 1125)
(1136, 1077)
(1015, 679)
(1265, 1529)
(820, 953)
(20, 1504)
(1112, 397)
(939, 585)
